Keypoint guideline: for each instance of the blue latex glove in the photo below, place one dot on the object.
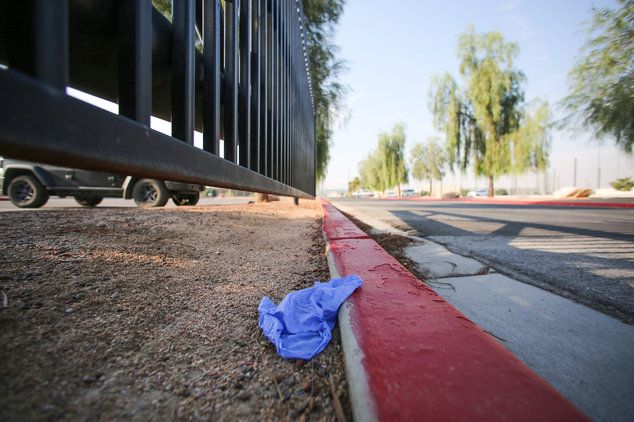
(300, 326)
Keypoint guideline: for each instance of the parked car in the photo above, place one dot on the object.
(362, 192)
(408, 193)
(29, 185)
(476, 193)
(390, 194)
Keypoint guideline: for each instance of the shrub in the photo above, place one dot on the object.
(624, 183)
(501, 192)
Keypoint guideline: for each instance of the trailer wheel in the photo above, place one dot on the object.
(150, 193)
(27, 192)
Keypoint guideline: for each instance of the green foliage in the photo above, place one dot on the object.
(354, 186)
(385, 167)
(484, 123)
(370, 172)
(531, 142)
(601, 83)
(501, 192)
(321, 16)
(428, 160)
(624, 184)
(392, 152)
(165, 7)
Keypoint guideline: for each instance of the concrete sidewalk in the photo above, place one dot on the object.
(584, 354)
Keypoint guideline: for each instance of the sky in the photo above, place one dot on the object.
(392, 49)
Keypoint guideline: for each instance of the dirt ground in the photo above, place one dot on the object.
(132, 314)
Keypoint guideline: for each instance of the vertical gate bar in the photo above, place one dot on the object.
(269, 90)
(211, 83)
(291, 48)
(52, 43)
(294, 107)
(272, 73)
(275, 87)
(264, 54)
(256, 138)
(282, 89)
(183, 71)
(37, 40)
(289, 161)
(244, 93)
(135, 60)
(274, 96)
(302, 79)
(278, 94)
(231, 80)
(285, 92)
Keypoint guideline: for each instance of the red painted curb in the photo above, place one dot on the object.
(523, 202)
(423, 359)
(338, 226)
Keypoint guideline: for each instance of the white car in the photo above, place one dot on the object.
(477, 193)
(408, 193)
(362, 193)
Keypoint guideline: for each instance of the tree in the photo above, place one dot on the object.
(601, 83)
(428, 161)
(484, 124)
(370, 172)
(385, 167)
(354, 186)
(321, 17)
(392, 151)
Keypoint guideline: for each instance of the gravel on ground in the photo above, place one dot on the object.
(151, 314)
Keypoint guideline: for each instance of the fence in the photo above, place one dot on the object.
(236, 70)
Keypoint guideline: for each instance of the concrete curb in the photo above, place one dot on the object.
(411, 356)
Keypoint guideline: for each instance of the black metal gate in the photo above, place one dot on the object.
(235, 70)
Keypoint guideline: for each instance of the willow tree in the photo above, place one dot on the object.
(485, 123)
(370, 172)
(392, 154)
(602, 81)
(385, 167)
(428, 161)
(321, 18)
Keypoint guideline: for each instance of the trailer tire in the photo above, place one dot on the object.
(149, 193)
(27, 192)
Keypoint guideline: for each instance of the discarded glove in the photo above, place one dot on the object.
(300, 326)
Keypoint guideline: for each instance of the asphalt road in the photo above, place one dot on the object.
(583, 253)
